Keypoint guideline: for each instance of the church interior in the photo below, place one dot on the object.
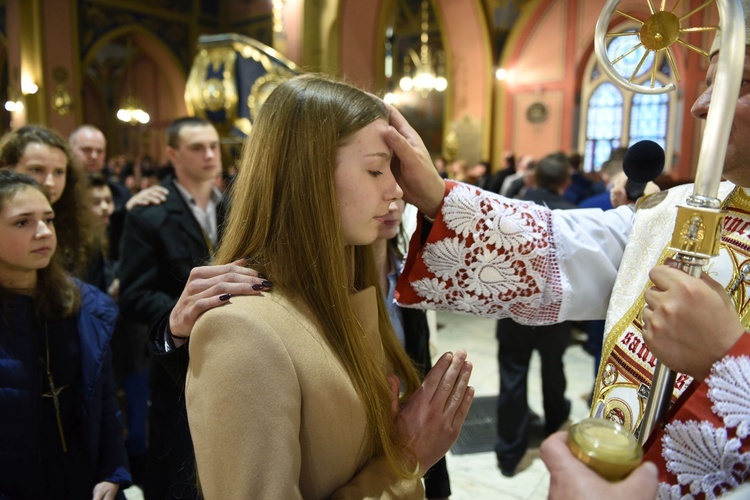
(516, 76)
(480, 80)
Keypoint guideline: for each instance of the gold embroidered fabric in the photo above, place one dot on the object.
(625, 374)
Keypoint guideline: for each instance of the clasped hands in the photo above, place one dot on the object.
(431, 419)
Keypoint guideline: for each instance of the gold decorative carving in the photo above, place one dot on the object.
(229, 72)
(60, 100)
(464, 141)
(213, 94)
(450, 146)
(218, 92)
(263, 87)
(697, 231)
(244, 125)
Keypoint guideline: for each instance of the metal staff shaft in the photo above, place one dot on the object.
(662, 384)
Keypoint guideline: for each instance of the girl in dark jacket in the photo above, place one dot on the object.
(60, 431)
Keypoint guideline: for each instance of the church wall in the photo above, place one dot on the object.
(546, 55)
(469, 64)
(359, 36)
(60, 56)
(546, 52)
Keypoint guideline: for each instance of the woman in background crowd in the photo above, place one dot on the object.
(61, 435)
(44, 155)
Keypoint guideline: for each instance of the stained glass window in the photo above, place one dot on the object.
(649, 118)
(628, 64)
(603, 125)
(607, 125)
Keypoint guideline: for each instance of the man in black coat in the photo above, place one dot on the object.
(517, 342)
(161, 244)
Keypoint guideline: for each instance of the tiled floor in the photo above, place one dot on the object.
(476, 476)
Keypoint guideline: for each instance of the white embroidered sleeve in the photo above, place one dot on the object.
(729, 387)
(670, 492)
(704, 457)
(510, 258)
(589, 245)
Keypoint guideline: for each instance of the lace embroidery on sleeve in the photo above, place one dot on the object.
(501, 261)
(704, 458)
(729, 387)
(671, 492)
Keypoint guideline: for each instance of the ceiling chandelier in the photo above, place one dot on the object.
(130, 108)
(423, 78)
(131, 112)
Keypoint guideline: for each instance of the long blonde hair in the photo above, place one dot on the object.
(284, 218)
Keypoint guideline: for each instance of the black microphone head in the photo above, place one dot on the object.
(643, 161)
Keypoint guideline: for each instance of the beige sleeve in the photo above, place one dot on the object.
(243, 403)
(377, 480)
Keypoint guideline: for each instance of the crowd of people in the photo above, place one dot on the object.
(285, 369)
(127, 258)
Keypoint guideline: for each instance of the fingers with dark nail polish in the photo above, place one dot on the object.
(258, 287)
(225, 297)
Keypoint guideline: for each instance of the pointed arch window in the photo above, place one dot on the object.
(612, 118)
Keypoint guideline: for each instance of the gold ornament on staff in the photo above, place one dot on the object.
(697, 231)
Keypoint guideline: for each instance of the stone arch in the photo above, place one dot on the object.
(466, 40)
(154, 75)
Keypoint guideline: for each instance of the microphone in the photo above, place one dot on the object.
(642, 164)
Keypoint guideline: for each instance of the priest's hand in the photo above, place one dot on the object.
(690, 323)
(570, 479)
(412, 166)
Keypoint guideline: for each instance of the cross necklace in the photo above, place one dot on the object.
(54, 393)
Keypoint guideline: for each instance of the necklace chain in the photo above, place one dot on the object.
(54, 392)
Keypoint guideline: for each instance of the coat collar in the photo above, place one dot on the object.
(176, 205)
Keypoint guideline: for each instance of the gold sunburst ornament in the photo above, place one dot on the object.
(657, 34)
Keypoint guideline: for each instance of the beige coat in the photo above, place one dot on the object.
(273, 413)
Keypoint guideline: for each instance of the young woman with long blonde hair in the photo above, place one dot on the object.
(293, 393)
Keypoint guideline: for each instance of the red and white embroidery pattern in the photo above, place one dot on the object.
(667, 492)
(702, 456)
(501, 261)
